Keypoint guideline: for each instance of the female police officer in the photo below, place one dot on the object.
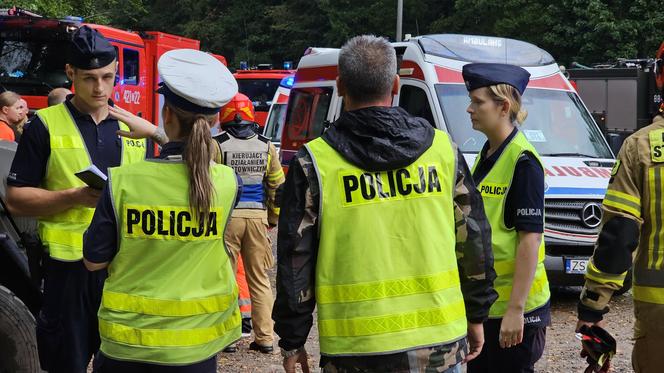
(510, 177)
(170, 301)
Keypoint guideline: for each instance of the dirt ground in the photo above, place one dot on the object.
(561, 354)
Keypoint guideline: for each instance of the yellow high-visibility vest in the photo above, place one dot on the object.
(386, 272)
(62, 233)
(170, 296)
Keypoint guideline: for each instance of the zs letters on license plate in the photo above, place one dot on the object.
(576, 266)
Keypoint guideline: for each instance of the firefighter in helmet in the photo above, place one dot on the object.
(255, 160)
(631, 237)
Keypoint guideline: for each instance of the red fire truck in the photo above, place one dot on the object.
(33, 56)
(260, 84)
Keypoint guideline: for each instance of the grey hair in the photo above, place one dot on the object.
(367, 67)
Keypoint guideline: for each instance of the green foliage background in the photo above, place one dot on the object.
(259, 31)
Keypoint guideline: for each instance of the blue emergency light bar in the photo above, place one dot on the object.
(288, 82)
(288, 65)
(73, 18)
(244, 65)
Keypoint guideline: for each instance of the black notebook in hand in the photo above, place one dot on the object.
(93, 177)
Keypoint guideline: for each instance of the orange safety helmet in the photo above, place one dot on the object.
(239, 109)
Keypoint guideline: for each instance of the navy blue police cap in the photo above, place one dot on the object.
(90, 50)
(478, 75)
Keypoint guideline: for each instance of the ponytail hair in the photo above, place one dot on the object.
(198, 153)
(505, 92)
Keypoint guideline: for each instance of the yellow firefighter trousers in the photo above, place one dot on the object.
(248, 237)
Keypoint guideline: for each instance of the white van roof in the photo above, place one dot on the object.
(473, 48)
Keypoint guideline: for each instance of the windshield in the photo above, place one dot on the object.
(275, 122)
(557, 123)
(259, 91)
(32, 67)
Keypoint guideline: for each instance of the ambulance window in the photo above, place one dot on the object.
(130, 66)
(307, 112)
(415, 101)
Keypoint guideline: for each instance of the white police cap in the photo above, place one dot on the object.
(195, 81)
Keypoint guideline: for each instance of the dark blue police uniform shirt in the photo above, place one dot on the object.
(100, 242)
(524, 204)
(101, 141)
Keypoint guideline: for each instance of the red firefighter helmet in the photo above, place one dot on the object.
(239, 109)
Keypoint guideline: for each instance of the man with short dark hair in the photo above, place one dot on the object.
(59, 142)
(382, 228)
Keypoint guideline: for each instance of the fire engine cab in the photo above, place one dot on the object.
(576, 155)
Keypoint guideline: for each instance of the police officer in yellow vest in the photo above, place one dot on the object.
(255, 160)
(170, 302)
(60, 141)
(510, 176)
(382, 228)
(632, 237)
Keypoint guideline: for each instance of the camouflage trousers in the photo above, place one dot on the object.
(438, 359)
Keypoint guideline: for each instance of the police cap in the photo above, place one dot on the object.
(90, 50)
(478, 75)
(195, 81)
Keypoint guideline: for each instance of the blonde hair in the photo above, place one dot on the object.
(199, 150)
(505, 92)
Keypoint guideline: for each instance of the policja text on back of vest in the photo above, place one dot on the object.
(412, 181)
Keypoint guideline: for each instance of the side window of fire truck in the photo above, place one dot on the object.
(130, 66)
(117, 75)
(415, 101)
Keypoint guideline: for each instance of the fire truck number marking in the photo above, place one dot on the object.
(130, 97)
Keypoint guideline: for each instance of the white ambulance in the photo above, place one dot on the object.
(576, 156)
(276, 117)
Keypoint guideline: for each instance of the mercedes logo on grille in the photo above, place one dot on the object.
(591, 214)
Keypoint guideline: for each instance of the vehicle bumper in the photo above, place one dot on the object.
(555, 271)
(554, 261)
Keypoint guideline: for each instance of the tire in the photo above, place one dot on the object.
(627, 284)
(18, 342)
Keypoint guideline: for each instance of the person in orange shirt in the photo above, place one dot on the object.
(11, 114)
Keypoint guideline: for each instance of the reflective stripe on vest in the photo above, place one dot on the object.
(170, 297)
(249, 158)
(386, 272)
(62, 233)
(494, 189)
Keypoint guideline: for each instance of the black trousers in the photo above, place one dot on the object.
(67, 327)
(518, 359)
(105, 364)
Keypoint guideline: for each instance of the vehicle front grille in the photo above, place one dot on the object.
(564, 215)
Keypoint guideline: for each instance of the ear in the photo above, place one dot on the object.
(341, 88)
(505, 108)
(395, 85)
(69, 70)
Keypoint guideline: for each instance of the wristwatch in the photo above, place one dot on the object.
(286, 354)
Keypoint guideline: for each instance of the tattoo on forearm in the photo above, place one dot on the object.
(160, 136)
